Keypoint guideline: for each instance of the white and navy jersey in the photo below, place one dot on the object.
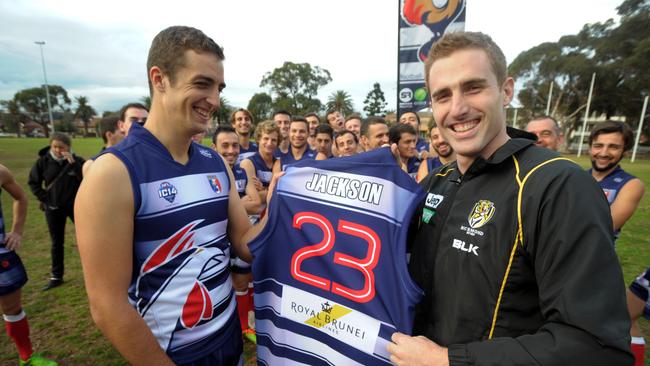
(263, 172)
(3, 249)
(181, 278)
(241, 179)
(412, 165)
(332, 284)
(288, 158)
(247, 153)
(612, 185)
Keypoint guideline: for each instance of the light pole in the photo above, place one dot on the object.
(47, 89)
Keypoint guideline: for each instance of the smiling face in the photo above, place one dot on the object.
(283, 121)
(268, 142)
(546, 132)
(298, 133)
(406, 145)
(346, 144)
(313, 123)
(377, 136)
(192, 97)
(606, 151)
(354, 125)
(468, 103)
(439, 144)
(227, 145)
(242, 123)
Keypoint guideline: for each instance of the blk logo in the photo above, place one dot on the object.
(461, 245)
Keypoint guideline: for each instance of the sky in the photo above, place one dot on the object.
(98, 49)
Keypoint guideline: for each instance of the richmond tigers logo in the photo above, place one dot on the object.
(481, 213)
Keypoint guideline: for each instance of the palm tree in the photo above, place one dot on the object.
(223, 113)
(84, 112)
(341, 101)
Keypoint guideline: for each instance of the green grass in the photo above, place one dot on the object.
(60, 321)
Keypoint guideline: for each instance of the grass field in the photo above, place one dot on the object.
(60, 321)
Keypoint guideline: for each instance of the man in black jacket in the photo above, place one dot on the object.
(510, 237)
(54, 180)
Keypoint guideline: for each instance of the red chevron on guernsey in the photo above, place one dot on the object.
(176, 244)
(197, 306)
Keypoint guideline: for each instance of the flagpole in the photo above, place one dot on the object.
(584, 123)
(638, 132)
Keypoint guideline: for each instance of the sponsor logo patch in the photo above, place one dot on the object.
(481, 213)
(433, 200)
(214, 183)
(205, 153)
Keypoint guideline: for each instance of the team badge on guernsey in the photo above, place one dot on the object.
(481, 213)
(167, 191)
(214, 183)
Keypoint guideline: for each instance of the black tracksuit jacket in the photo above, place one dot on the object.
(517, 261)
(64, 190)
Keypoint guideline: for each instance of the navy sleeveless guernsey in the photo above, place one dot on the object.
(433, 163)
(332, 284)
(288, 158)
(247, 153)
(612, 184)
(181, 278)
(263, 172)
(421, 145)
(412, 166)
(241, 179)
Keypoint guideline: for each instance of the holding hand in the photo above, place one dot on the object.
(407, 350)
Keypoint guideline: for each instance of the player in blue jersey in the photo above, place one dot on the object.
(242, 121)
(324, 138)
(421, 146)
(404, 136)
(374, 133)
(156, 251)
(283, 119)
(314, 121)
(225, 142)
(347, 143)
(13, 276)
(608, 143)
(337, 287)
(260, 165)
(298, 146)
(444, 153)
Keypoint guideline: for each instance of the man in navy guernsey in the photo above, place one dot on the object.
(608, 143)
(298, 146)
(260, 165)
(508, 236)
(338, 286)
(413, 119)
(324, 136)
(444, 153)
(226, 143)
(283, 120)
(403, 135)
(242, 121)
(374, 133)
(156, 251)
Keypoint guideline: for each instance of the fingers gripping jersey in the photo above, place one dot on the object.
(180, 283)
(330, 267)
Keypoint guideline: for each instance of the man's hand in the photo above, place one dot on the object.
(418, 351)
(398, 158)
(68, 156)
(13, 241)
(274, 181)
(257, 183)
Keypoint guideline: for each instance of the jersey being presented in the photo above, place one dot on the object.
(332, 284)
(181, 278)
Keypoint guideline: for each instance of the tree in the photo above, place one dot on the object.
(375, 103)
(146, 100)
(13, 118)
(33, 103)
(341, 101)
(295, 86)
(84, 112)
(222, 114)
(260, 106)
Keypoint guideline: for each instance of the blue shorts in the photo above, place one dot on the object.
(12, 273)
(641, 288)
(229, 353)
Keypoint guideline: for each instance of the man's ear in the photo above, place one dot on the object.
(508, 90)
(157, 79)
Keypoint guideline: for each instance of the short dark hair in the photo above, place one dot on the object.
(106, 125)
(556, 127)
(313, 115)
(323, 128)
(353, 116)
(62, 137)
(372, 120)
(131, 105)
(245, 111)
(417, 116)
(395, 132)
(168, 49)
(613, 127)
(281, 111)
(330, 111)
(343, 133)
(300, 119)
(222, 129)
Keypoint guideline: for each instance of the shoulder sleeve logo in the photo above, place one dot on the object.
(214, 183)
